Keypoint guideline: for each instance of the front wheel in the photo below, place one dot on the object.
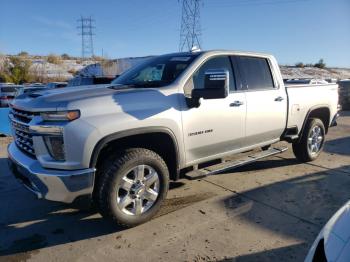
(309, 147)
(134, 186)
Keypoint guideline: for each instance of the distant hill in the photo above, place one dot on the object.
(59, 68)
(118, 66)
(50, 68)
(313, 72)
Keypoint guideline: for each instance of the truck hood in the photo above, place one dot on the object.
(102, 101)
(57, 99)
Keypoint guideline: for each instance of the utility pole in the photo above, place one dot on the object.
(86, 26)
(190, 25)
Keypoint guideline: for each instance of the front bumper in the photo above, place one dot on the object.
(52, 184)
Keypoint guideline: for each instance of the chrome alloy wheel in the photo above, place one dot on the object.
(315, 140)
(138, 190)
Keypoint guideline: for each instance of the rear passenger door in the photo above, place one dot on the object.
(266, 102)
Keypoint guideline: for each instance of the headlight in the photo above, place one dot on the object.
(61, 115)
(55, 146)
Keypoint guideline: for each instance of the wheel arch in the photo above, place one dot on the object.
(320, 111)
(159, 139)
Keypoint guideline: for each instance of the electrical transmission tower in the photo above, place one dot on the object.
(190, 25)
(86, 26)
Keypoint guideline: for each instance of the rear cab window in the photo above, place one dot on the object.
(255, 73)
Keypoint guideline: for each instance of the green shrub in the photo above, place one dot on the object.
(65, 56)
(320, 64)
(54, 59)
(23, 53)
(16, 70)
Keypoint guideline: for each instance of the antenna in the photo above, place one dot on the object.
(86, 31)
(190, 25)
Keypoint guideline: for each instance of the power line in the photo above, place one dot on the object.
(190, 25)
(86, 31)
(237, 3)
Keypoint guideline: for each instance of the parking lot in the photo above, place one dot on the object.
(271, 210)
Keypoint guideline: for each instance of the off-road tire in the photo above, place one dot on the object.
(300, 147)
(115, 167)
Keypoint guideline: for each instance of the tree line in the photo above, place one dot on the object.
(319, 64)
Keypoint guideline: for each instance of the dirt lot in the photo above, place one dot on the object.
(268, 211)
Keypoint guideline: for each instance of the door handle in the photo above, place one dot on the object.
(279, 99)
(237, 103)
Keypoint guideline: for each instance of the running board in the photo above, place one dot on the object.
(231, 164)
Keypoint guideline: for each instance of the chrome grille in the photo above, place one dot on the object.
(20, 128)
(21, 115)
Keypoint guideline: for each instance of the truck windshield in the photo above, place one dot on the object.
(156, 72)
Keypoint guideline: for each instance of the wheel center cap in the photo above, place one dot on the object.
(138, 189)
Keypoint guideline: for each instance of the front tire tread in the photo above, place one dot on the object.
(107, 177)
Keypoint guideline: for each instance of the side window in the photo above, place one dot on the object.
(255, 72)
(219, 62)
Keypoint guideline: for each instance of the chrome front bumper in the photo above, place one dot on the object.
(52, 184)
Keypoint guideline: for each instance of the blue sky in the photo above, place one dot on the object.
(292, 30)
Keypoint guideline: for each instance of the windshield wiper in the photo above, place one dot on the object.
(120, 86)
(148, 84)
(144, 84)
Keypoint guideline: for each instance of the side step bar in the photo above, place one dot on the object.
(231, 164)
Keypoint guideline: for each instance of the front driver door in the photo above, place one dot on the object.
(217, 125)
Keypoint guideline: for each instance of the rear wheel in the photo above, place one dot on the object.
(309, 147)
(134, 187)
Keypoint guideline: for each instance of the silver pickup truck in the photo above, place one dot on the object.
(121, 144)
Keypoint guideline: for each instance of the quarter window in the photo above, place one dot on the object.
(255, 72)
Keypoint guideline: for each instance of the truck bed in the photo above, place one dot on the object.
(303, 98)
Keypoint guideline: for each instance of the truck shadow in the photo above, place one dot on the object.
(340, 146)
(288, 253)
(266, 164)
(345, 113)
(296, 208)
